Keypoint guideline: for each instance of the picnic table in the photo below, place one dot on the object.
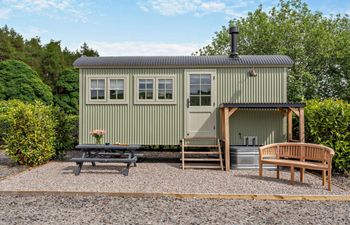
(106, 154)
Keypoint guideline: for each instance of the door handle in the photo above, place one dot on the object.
(188, 103)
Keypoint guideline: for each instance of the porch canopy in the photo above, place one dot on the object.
(228, 109)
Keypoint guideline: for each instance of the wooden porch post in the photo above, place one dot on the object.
(227, 138)
(222, 124)
(289, 125)
(301, 125)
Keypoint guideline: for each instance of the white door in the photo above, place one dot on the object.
(200, 103)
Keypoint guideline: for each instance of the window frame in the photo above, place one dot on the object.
(155, 89)
(126, 89)
(107, 99)
(88, 90)
(173, 89)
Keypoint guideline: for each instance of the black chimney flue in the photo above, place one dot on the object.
(234, 38)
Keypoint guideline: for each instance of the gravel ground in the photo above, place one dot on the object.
(160, 178)
(112, 210)
(342, 180)
(7, 167)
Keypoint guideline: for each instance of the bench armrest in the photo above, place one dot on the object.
(267, 152)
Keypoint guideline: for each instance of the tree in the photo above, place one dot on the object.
(87, 51)
(19, 81)
(319, 46)
(67, 91)
(33, 53)
(52, 62)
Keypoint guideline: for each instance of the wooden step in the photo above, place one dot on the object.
(202, 159)
(202, 146)
(202, 153)
(202, 166)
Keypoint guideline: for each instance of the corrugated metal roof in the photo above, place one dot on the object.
(182, 61)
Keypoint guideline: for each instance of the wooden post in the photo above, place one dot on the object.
(290, 125)
(222, 124)
(227, 138)
(301, 125)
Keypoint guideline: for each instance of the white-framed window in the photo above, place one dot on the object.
(145, 89)
(117, 89)
(154, 89)
(97, 89)
(200, 89)
(107, 90)
(165, 91)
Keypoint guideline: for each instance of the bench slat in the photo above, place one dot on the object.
(126, 160)
(299, 164)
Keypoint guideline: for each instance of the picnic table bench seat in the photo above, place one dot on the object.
(106, 154)
(298, 155)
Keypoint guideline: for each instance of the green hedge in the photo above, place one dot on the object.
(328, 123)
(29, 131)
(66, 132)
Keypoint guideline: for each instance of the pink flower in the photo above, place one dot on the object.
(97, 133)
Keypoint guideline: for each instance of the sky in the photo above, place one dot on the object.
(135, 27)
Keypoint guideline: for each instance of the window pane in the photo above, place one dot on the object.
(205, 79)
(194, 100)
(149, 95)
(93, 84)
(112, 84)
(194, 89)
(142, 95)
(149, 84)
(161, 84)
(93, 94)
(120, 95)
(205, 100)
(206, 89)
(194, 79)
(169, 84)
(120, 84)
(169, 94)
(161, 95)
(112, 94)
(142, 84)
(101, 94)
(101, 84)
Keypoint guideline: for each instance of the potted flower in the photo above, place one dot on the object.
(98, 135)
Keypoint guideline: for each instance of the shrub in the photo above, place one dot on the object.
(66, 132)
(67, 91)
(19, 81)
(30, 134)
(328, 123)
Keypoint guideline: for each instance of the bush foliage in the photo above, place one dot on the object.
(66, 132)
(328, 123)
(30, 132)
(19, 81)
(67, 91)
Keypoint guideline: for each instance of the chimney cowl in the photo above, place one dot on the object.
(234, 38)
(234, 30)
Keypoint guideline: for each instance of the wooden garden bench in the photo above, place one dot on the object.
(298, 155)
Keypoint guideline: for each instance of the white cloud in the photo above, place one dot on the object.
(74, 9)
(196, 7)
(34, 31)
(4, 13)
(143, 48)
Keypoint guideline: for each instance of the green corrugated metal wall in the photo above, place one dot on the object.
(142, 124)
(269, 86)
(164, 124)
